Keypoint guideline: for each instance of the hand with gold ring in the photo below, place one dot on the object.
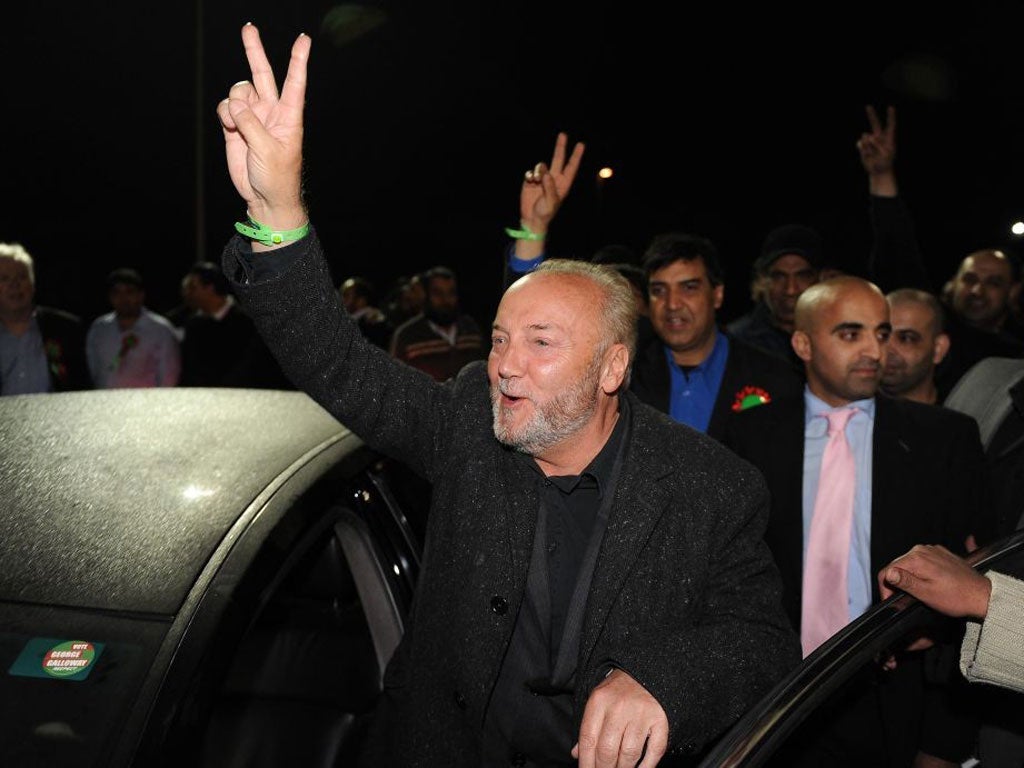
(545, 187)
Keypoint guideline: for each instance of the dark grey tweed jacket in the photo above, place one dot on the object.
(685, 595)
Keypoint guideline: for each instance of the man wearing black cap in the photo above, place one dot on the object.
(789, 264)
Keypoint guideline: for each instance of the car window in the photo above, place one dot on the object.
(67, 682)
(304, 678)
(292, 672)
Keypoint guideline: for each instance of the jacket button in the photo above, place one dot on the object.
(499, 605)
(460, 700)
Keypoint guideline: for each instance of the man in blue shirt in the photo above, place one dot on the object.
(41, 349)
(690, 368)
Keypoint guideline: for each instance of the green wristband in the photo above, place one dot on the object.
(264, 234)
(523, 234)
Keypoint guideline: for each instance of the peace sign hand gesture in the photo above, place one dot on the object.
(263, 135)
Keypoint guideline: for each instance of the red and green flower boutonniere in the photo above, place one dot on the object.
(55, 359)
(128, 342)
(750, 397)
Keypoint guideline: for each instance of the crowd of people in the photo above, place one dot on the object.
(642, 517)
(207, 340)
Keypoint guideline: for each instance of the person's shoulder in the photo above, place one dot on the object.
(740, 325)
(160, 321)
(468, 325)
(238, 319)
(472, 375)
(54, 315)
(758, 359)
(102, 321)
(196, 319)
(685, 449)
(988, 374)
(938, 420)
(413, 322)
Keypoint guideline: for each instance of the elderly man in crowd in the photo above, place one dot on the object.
(595, 584)
(41, 349)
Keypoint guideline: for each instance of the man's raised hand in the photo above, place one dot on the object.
(546, 186)
(263, 134)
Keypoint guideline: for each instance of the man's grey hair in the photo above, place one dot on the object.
(619, 311)
(17, 252)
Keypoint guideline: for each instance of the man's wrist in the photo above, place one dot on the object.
(984, 597)
(883, 185)
(279, 217)
(266, 238)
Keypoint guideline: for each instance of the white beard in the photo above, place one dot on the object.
(551, 422)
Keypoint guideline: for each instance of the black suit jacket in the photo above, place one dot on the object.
(64, 345)
(684, 597)
(746, 369)
(929, 487)
(227, 353)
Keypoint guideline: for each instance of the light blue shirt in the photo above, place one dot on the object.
(692, 394)
(859, 433)
(24, 368)
(153, 359)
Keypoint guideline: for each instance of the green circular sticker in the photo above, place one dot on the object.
(68, 658)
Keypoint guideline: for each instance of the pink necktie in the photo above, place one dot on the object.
(825, 607)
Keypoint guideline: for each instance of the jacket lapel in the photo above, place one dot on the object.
(783, 466)
(520, 511)
(640, 501)
(891, 476)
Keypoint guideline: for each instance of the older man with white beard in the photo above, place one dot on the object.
(595, 586)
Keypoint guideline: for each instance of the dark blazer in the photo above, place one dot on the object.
(684, 597)
(928, 487)
(227, 353)
(746, 367)
(64, 345)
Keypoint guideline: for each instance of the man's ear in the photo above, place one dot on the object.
(719, 295)
(1014, 296)
(614, 367)
(941, 348)
(801, 343)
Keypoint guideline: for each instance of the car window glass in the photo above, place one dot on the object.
(304, 679)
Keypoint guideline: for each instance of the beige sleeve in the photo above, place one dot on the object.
(993, 651)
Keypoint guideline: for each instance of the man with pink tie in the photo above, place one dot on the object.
(857, 478)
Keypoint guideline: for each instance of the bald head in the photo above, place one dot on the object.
(918, 344)
(984, 287)
(820, 296)
(842, 329)
(927, 303)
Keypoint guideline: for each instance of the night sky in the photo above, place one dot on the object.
(722, 122)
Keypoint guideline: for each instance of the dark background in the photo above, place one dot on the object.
(722, 120)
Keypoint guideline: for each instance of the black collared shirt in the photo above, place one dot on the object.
(530, 717)
(573, 501)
